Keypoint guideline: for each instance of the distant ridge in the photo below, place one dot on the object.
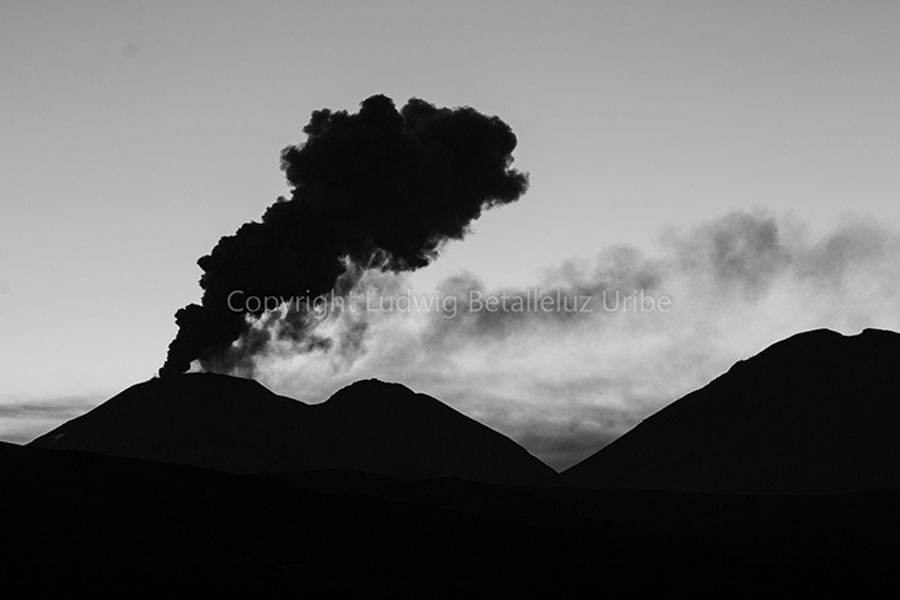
(818, 412)
(237, 425)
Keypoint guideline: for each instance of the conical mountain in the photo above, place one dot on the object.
(816, 413)
(237, 425)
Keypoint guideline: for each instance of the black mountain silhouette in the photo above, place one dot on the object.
(815, 413)
(238, 426)
(80, 519)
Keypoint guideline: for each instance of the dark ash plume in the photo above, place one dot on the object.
(375, 189)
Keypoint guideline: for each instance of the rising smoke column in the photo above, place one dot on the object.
(375, 189)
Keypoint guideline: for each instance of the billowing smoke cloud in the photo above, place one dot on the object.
(378, 189)
(566, 382)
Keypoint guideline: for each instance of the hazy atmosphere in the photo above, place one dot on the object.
(703, 179)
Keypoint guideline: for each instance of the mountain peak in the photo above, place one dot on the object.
(237, 425)
(386, 400)
(371, 389)
(816, 412)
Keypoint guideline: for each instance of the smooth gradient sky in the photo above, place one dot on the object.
(135, 134)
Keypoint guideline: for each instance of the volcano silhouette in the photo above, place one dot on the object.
(818, 412)
(238, 426)
(769, 442)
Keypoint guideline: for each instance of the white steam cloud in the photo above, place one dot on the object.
(564, 383)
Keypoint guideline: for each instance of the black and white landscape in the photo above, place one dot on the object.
(466, 300)
(782, 474)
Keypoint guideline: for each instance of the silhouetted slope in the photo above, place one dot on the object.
(72, 519)
(818, 412)
(236, 425)
(211, 421)
(76, 518)
(387, 428)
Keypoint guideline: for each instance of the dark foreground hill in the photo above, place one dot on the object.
(125, 526)
(816, 413)
(341, 500)
(238, 426)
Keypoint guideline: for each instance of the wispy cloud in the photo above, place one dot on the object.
(23, 419)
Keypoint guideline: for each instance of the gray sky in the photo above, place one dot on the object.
(138, 133)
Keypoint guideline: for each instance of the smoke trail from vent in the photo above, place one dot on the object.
(378, 189)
